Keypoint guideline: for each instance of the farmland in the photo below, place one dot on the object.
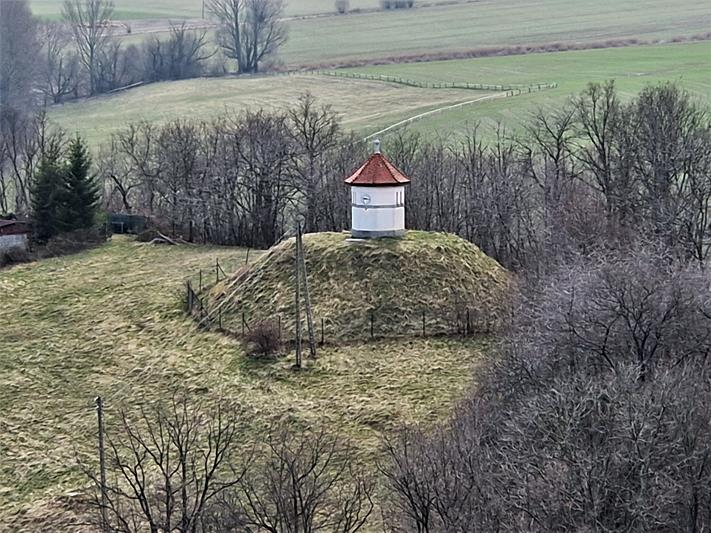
(449, 27)
(176, 9)
(632, 68)
(486, 24)
(109, 321)
(367, 106)
(363, 105)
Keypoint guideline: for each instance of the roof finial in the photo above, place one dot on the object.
(376, 146)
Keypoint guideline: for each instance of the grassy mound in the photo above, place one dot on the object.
(392, 282)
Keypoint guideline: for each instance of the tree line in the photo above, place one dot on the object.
(48, 62)
(596, 174)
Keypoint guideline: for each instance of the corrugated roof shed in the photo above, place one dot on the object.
(14, 227)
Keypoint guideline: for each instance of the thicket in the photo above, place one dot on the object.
(175, 467)
(593, 417)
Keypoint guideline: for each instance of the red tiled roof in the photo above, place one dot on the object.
(377, 171)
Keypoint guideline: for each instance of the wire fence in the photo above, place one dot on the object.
(457, 320)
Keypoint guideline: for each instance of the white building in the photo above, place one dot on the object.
(14, 234)
(377, 198)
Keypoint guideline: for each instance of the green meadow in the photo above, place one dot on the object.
(442, 26)
(632, 68)
(367, 106)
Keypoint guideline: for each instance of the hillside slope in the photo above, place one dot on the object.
(109, 322)
(389, 281)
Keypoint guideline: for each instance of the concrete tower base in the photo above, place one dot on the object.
(366, 234)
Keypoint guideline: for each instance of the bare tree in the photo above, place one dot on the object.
(118, 177)
(181, 56)
(166, 467)
(592, 419)
(265, 31)
(19, 57)
(308, 482)
(24, 142)
(90, 22)
(249, 30)
(315, 132)
(230, 15)
(112, 69)
(60, 66)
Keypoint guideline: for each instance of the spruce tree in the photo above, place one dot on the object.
(82, 193)
(48, 195)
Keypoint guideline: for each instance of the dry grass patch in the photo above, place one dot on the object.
(389, 281)
(108, 322)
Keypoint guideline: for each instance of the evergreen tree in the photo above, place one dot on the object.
(82, 193)
(48, 196)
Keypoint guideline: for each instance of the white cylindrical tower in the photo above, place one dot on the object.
(377, 198)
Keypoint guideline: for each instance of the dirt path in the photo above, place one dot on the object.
(434, 111)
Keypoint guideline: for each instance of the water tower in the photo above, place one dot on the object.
(377, 198)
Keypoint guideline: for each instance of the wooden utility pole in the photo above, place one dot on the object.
(307, 296)
(297, 303)
(102, 463)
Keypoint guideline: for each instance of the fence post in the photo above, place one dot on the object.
(217, 270)
(102, 463)
(200, 283)
(467, 326)
(371, 324)
(243, 323)
(188, 302)
(219, 319)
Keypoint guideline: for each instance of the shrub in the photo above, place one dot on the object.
(342, 6)
(397, 4)
(263, 339)
(147, 235)
(14, 256)
(72, 242)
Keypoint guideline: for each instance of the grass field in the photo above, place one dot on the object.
(632, 68)
(368, 106)
(139, 9)
(442, 28)
(364, 106)
(490, 23)
(108, 322)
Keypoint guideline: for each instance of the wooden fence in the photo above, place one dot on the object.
(515, 89)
